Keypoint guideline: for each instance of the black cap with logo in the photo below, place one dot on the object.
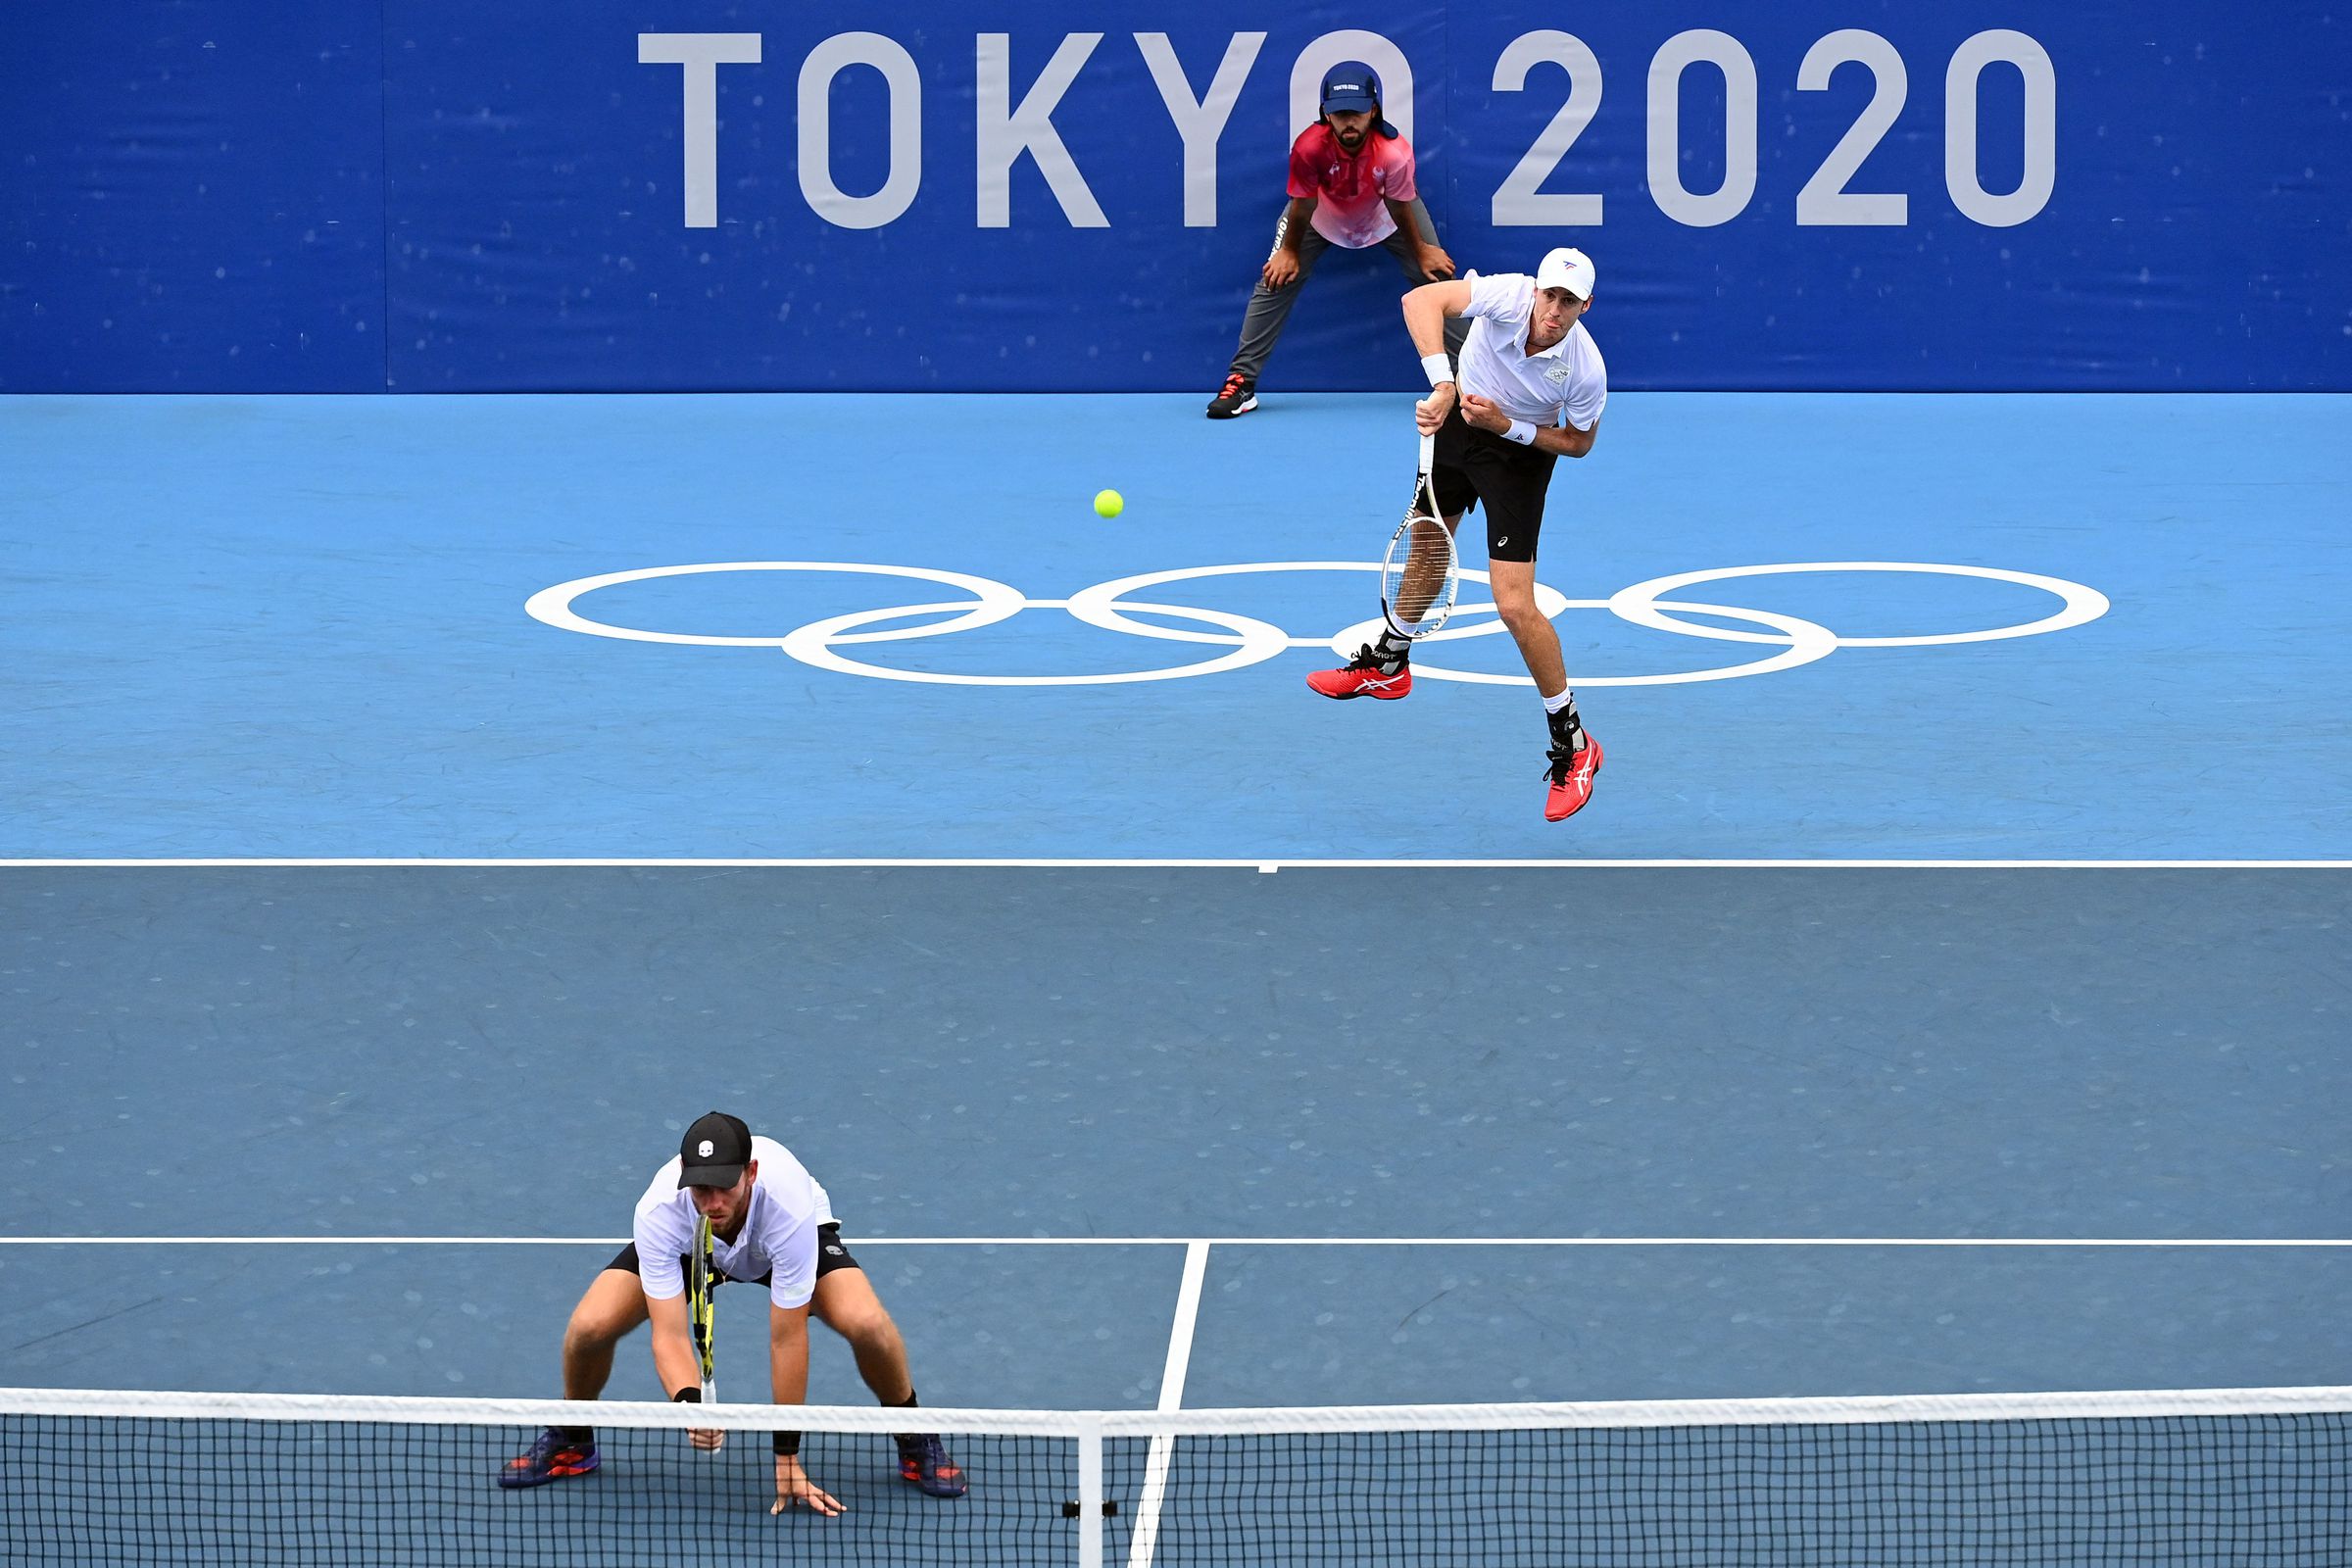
(714, 1151)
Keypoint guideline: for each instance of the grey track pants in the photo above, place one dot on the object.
(1270, 308)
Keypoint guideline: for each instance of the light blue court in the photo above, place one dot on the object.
(297, 627)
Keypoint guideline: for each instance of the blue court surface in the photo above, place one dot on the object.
(1605, 1134)
(419, 803)
(297, 627)
(1110, 1130)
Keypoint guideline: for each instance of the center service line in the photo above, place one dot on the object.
(1146, 1539)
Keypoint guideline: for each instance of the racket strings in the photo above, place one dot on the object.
(705, 1266)
(1418, 580)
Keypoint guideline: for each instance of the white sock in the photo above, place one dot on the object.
(1566, 698)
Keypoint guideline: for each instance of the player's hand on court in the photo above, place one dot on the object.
(1481, 413)
(1430, 411)
(794, 1489)
(1437, 264)
(709, 1439)
(1281, 270)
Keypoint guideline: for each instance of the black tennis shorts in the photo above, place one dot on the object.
(830, 1255)
(1474, 465)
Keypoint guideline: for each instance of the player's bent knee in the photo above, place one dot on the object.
(589, 1330)
(614, 1306)
(864, 1324)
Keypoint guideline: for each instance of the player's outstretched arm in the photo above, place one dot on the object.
(1425, 311)
(674, 1357)
(1426, 308)
(787, 1380)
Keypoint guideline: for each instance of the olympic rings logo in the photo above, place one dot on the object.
(1246, 640)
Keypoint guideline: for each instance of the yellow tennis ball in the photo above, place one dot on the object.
(1108, 504)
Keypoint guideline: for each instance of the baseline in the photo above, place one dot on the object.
(1081, 863)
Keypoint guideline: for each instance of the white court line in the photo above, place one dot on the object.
(1253, 864)
(1220, 1241)
(1146, 1539)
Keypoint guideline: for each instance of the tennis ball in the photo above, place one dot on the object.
(1108, 504)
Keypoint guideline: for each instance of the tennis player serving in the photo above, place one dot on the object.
(767, 1220)
(1531, 390)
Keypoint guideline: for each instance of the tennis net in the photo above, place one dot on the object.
(2238, 1477)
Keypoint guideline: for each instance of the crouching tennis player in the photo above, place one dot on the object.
(771, 1223)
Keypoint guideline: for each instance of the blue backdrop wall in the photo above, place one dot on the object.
(437, 195)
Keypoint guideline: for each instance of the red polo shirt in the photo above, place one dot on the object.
(1350, 192)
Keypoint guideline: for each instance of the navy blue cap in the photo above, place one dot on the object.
(1351, 86)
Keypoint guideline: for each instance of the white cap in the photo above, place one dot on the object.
(1568, 268)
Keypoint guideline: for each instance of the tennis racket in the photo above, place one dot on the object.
(698, 1310)
(1421, 575)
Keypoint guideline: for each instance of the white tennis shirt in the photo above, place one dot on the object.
(1567, 377)
(778, 1235)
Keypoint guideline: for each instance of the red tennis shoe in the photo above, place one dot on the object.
(1571, 779)
(1365, 675)
(557, 1455)
(923, 1462)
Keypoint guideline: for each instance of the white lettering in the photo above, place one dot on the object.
(2039, 176)
(1200, 123)
(1002, 137)
(1825, 198)
(827, 61)
(1702, 45)
(700, 54)
(1521, 202)
(1004, 131)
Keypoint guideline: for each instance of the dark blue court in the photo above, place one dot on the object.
(1605, 1134)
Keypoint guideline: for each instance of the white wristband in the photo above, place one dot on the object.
(1437, 368)
(1522, 432)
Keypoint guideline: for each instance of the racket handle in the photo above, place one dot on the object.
(1429, 451)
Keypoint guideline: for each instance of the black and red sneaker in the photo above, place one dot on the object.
(923, 1462)
(557, 1455)
(1367, 675)
(1239, 397)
